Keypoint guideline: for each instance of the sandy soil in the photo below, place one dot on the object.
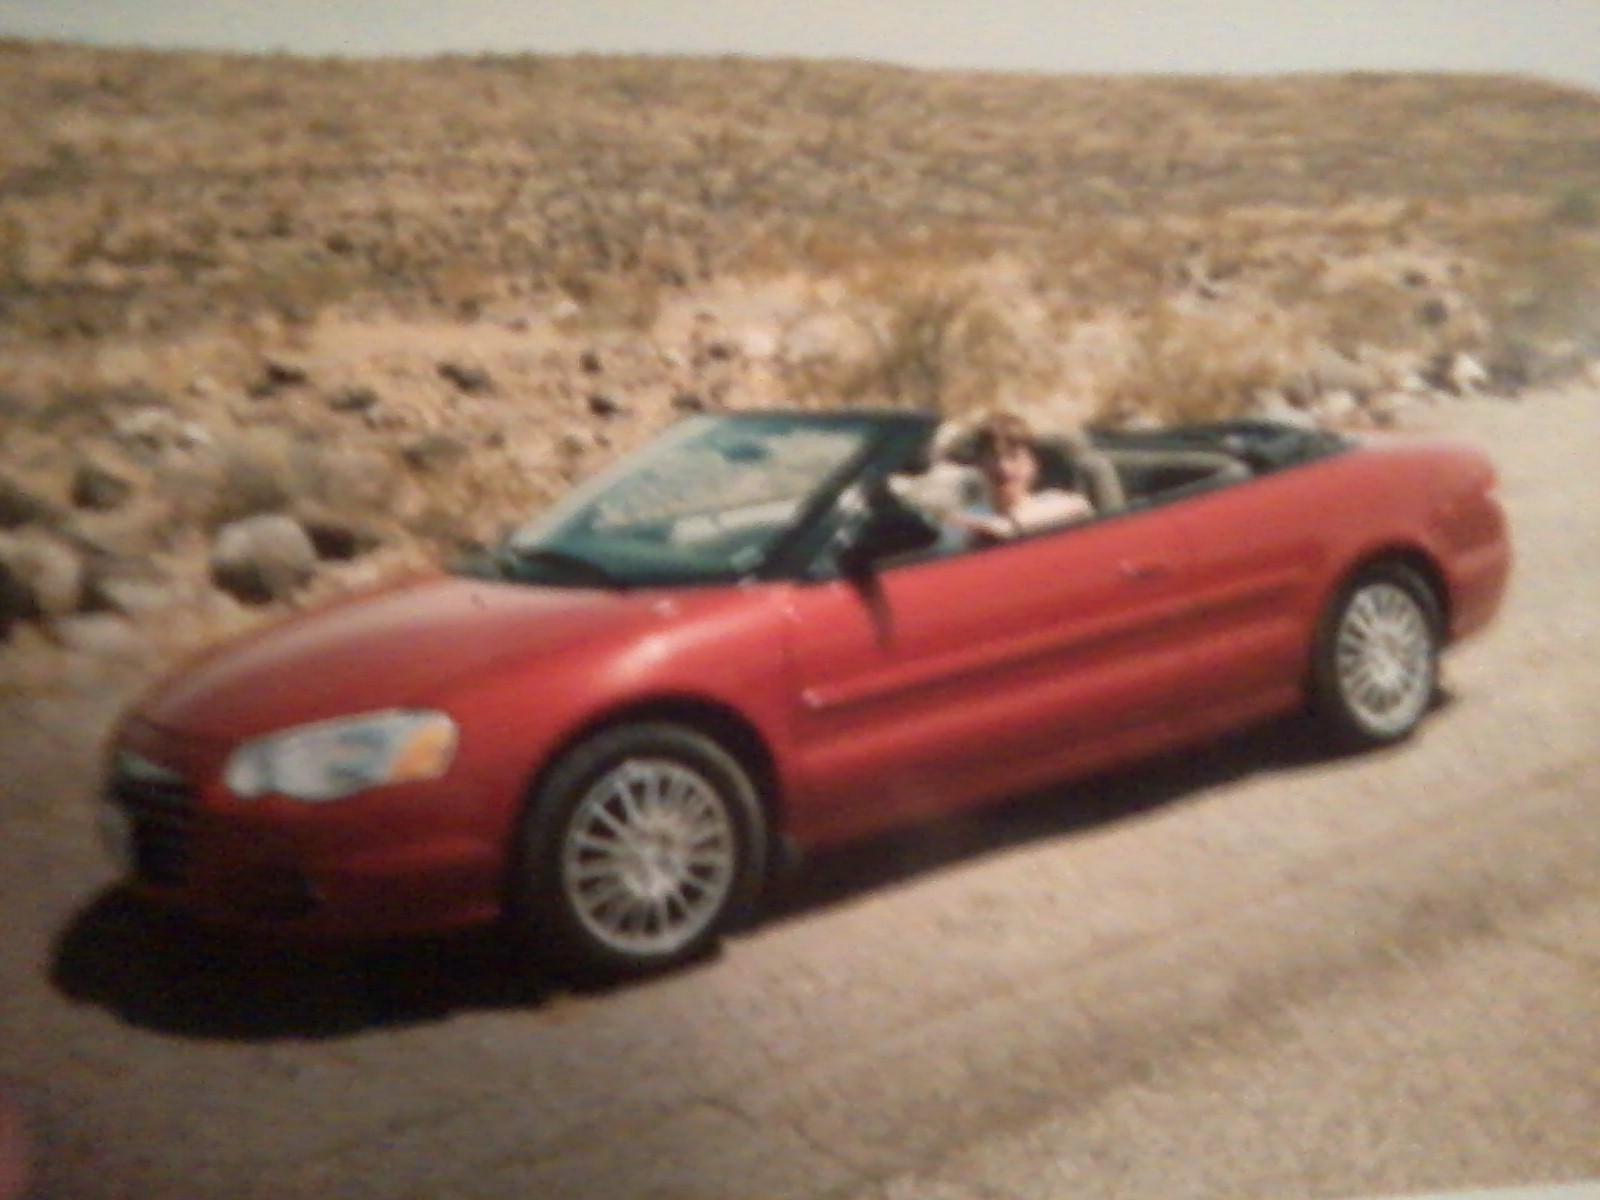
(1255, 971)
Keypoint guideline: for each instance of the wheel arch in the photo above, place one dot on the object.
(1416, 559)
(1328, 699)
(721, 722)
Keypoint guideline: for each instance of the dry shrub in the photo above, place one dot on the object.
(1540, 284)
(299, 290)
(946, 341)
(1205, 363)
(465, 288)
(629, 301)
(1371, 310)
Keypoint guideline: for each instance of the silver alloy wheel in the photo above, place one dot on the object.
(1383, 654)
(649, 857)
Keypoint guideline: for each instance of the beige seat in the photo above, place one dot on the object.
(1067, 463)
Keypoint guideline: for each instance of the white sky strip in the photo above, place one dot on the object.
(1558, 39)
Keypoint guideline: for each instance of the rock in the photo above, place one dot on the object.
(40, 577)
(113, 589)
(1433, 312)
(1385, 409)
(100, 635)
(1335, 372)
(1467, 374)
(1338, 405)
(160, 429)
(689, 402)
(589, 362)
(97, 487)
(434, 451)
(1411, 383)
(467, 377)
(353, 400)
(1459, 374)
(284, 373)
(1273, 405)
(760, 344)
(262, 558)
(22, 506)
(278, 374)
(339, 539)
(205, 387)
(602, 405)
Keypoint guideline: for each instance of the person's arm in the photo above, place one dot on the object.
(1052, 507)
(983, 528)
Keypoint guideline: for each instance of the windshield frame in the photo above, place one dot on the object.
(888, 438)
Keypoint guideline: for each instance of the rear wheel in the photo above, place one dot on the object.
(644, 844)
(1376, 667)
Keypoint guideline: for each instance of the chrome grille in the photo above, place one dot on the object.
(160, 805)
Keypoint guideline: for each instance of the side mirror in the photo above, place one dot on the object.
(889, 529)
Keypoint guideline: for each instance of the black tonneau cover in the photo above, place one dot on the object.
(1260, 444)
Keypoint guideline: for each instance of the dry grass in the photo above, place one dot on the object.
(458, 184)
(706, 233)
(945, 340)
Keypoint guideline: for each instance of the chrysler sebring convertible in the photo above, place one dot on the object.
(751, 638)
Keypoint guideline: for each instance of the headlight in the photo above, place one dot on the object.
(334, 759)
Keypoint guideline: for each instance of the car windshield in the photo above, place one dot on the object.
(707, 502)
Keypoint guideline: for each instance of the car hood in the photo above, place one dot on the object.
(393, 649)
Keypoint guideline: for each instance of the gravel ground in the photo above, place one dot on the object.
(1252, 971)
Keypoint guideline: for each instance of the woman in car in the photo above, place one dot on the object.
(1013, 503)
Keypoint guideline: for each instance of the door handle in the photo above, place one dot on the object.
(1136, 571)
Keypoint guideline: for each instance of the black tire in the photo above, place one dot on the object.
(1375, 666)
(643, 846)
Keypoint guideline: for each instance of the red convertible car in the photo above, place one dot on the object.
(750, 635)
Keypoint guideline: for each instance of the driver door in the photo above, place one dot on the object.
(929, 685)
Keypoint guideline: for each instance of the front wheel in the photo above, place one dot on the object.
(1376, 663)
(643, 845)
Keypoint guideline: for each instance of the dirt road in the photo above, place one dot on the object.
(1256, 971)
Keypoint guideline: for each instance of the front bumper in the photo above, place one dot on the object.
(418, 858)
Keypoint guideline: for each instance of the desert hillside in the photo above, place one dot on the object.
(391, 306)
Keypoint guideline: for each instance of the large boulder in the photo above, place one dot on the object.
(262, 558)
(41, 577)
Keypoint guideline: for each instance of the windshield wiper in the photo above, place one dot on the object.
(564, 560)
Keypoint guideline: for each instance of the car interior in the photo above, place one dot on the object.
(1115, 479)
(1124, 478)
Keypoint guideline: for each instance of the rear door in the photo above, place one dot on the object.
(934, 684)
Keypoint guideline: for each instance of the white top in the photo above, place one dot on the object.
(1052, 506)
